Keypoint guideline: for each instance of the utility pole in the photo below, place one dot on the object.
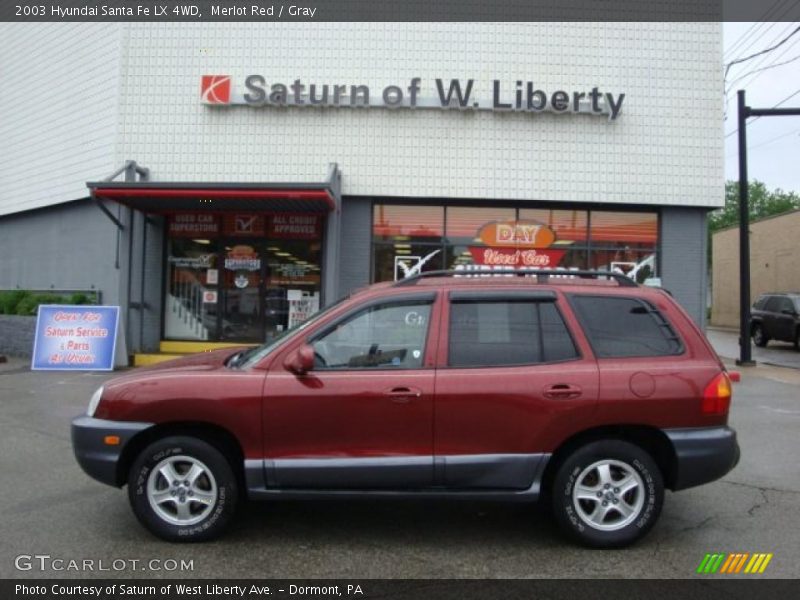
(745, 343)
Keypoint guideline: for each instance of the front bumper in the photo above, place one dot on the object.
(96, 458)
(703, 454)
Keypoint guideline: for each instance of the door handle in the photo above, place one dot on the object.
(402, 395)
(562, 391)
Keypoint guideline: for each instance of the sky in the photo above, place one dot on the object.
(773, 142)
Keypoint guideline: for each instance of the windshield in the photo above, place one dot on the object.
(251, 356)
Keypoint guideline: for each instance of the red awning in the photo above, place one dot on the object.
(167, 198)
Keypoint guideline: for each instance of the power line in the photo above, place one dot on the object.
(738, 45)
(766, 68)
(775, 139)
(769, 141)
(789, 97)
(764, 51)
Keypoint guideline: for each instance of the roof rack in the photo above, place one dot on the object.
(542, 275)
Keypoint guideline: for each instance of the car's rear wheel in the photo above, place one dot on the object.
(759, 337)
(608, 494)
(797, 339)
(182, 489)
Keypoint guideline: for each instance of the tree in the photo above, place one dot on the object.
(763, 203)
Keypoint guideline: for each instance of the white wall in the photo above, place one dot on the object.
(666, 147)
(79, 99)
(58, 110)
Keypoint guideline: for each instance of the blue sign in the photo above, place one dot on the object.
(75, 338)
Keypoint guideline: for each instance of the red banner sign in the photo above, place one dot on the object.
(196, 225)
(295, 226)
(243, 225)
(515, 257)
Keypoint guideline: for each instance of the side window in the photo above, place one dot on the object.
(504, 333)
(620, 327)
(773, 304)
(388, 336)
(761, 303)
(557, 342)
(786, 304)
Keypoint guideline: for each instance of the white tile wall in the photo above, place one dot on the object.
(58, 110)
(665, 148)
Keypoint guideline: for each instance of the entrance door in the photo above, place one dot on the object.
(242, 292)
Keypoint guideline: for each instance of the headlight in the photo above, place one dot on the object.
(94, 401)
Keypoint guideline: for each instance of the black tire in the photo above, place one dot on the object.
(797, 339)
(759, 338)
(200, 519)
(643, 503)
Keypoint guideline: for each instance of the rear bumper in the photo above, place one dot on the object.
(703, 454)
(96, 458)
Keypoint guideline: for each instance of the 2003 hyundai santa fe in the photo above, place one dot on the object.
(591, 392)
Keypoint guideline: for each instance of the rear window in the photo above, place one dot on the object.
(619, 327)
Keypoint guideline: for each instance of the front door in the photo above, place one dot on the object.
(242, 292)
(363, 417)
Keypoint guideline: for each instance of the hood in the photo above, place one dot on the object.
(202, 361)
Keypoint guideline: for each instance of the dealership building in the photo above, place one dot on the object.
(222, 181)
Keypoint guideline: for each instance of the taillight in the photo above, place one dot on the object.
(717, 395)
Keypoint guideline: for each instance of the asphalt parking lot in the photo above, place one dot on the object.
(51, 508)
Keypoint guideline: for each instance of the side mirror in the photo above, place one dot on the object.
(301, 361)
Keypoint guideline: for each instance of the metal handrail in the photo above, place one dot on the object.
(543, 275)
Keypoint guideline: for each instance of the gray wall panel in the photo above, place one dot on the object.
(63, 247)
(356, 232)
(683, 258)
(67, 246)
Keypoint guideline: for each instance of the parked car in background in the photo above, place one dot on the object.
(593, 395)
(776, 316)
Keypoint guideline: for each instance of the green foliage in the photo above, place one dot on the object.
(10, 299)
(79, 299)
(25, 302)
(30, 304)
(762, 203)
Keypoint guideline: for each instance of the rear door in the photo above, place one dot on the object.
(510, 376)
(784, 320)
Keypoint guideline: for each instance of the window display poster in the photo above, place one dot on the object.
(75, 338)
(301, 305)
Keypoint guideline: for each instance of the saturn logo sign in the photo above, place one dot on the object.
(215, 89)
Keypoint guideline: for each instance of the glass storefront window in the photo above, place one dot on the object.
(570, 226)
(581, 239)
(612, 228)
(636, 264)
(463, 223)
(192, 270)
(258, 276)
(392, 222)
(403, 259)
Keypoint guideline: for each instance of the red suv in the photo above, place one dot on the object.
(589, 391)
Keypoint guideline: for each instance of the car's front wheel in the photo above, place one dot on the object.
(608, 493)
(759, 337)
(183, 489)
